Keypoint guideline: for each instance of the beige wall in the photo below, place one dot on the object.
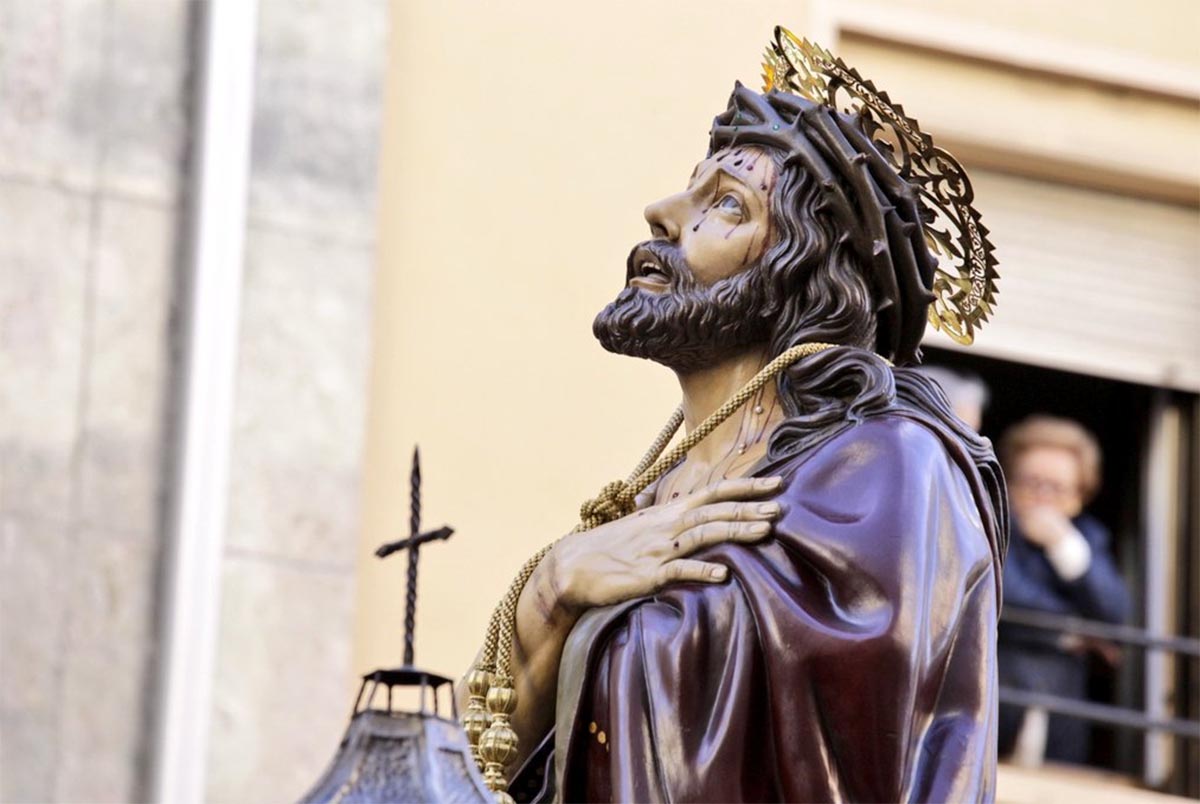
(520, 147)
(1158, 29)
(521, 144)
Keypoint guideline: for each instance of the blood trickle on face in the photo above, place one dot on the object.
(694, 292)
(719, 224)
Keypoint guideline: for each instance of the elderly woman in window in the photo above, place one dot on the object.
(1058, 561)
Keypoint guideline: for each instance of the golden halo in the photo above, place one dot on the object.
(964, 283)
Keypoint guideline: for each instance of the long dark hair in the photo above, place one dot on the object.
(815, 289)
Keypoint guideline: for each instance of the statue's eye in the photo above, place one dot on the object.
(730, 203)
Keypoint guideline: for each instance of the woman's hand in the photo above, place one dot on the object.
(640, 553)
(1045, 526)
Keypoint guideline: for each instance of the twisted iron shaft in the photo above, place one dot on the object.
(414, 557)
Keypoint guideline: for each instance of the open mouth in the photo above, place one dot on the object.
(647, 271)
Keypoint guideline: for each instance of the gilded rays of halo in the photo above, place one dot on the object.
(964, 284)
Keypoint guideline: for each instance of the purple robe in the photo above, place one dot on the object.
(851, 656)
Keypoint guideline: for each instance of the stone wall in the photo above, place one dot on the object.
(284, 657)
(93, 136)
(95, 107)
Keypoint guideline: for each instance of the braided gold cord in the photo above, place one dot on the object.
(660, 443)
(661, 466)
(509, 607)
(492, 739)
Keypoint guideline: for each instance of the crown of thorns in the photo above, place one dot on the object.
(924, 241)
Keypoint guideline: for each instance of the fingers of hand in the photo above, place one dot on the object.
(738, 488)
(717, 532)
(685, 569)
(729, 512)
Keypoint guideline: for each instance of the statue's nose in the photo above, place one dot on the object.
(663, 217)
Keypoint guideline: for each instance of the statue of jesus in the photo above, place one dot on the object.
(802, 605)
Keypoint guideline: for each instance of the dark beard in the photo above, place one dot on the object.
(688, 326)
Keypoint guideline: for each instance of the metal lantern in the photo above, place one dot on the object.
(391, 755)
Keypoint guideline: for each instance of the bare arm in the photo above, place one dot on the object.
(544, 621)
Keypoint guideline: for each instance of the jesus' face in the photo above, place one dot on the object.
(691, 290)
(719, 223)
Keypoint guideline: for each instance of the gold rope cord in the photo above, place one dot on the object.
(491, 696)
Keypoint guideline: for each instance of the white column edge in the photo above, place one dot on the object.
(199, 490)
(1160, 526)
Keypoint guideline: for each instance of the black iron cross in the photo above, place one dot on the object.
(413, 543)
